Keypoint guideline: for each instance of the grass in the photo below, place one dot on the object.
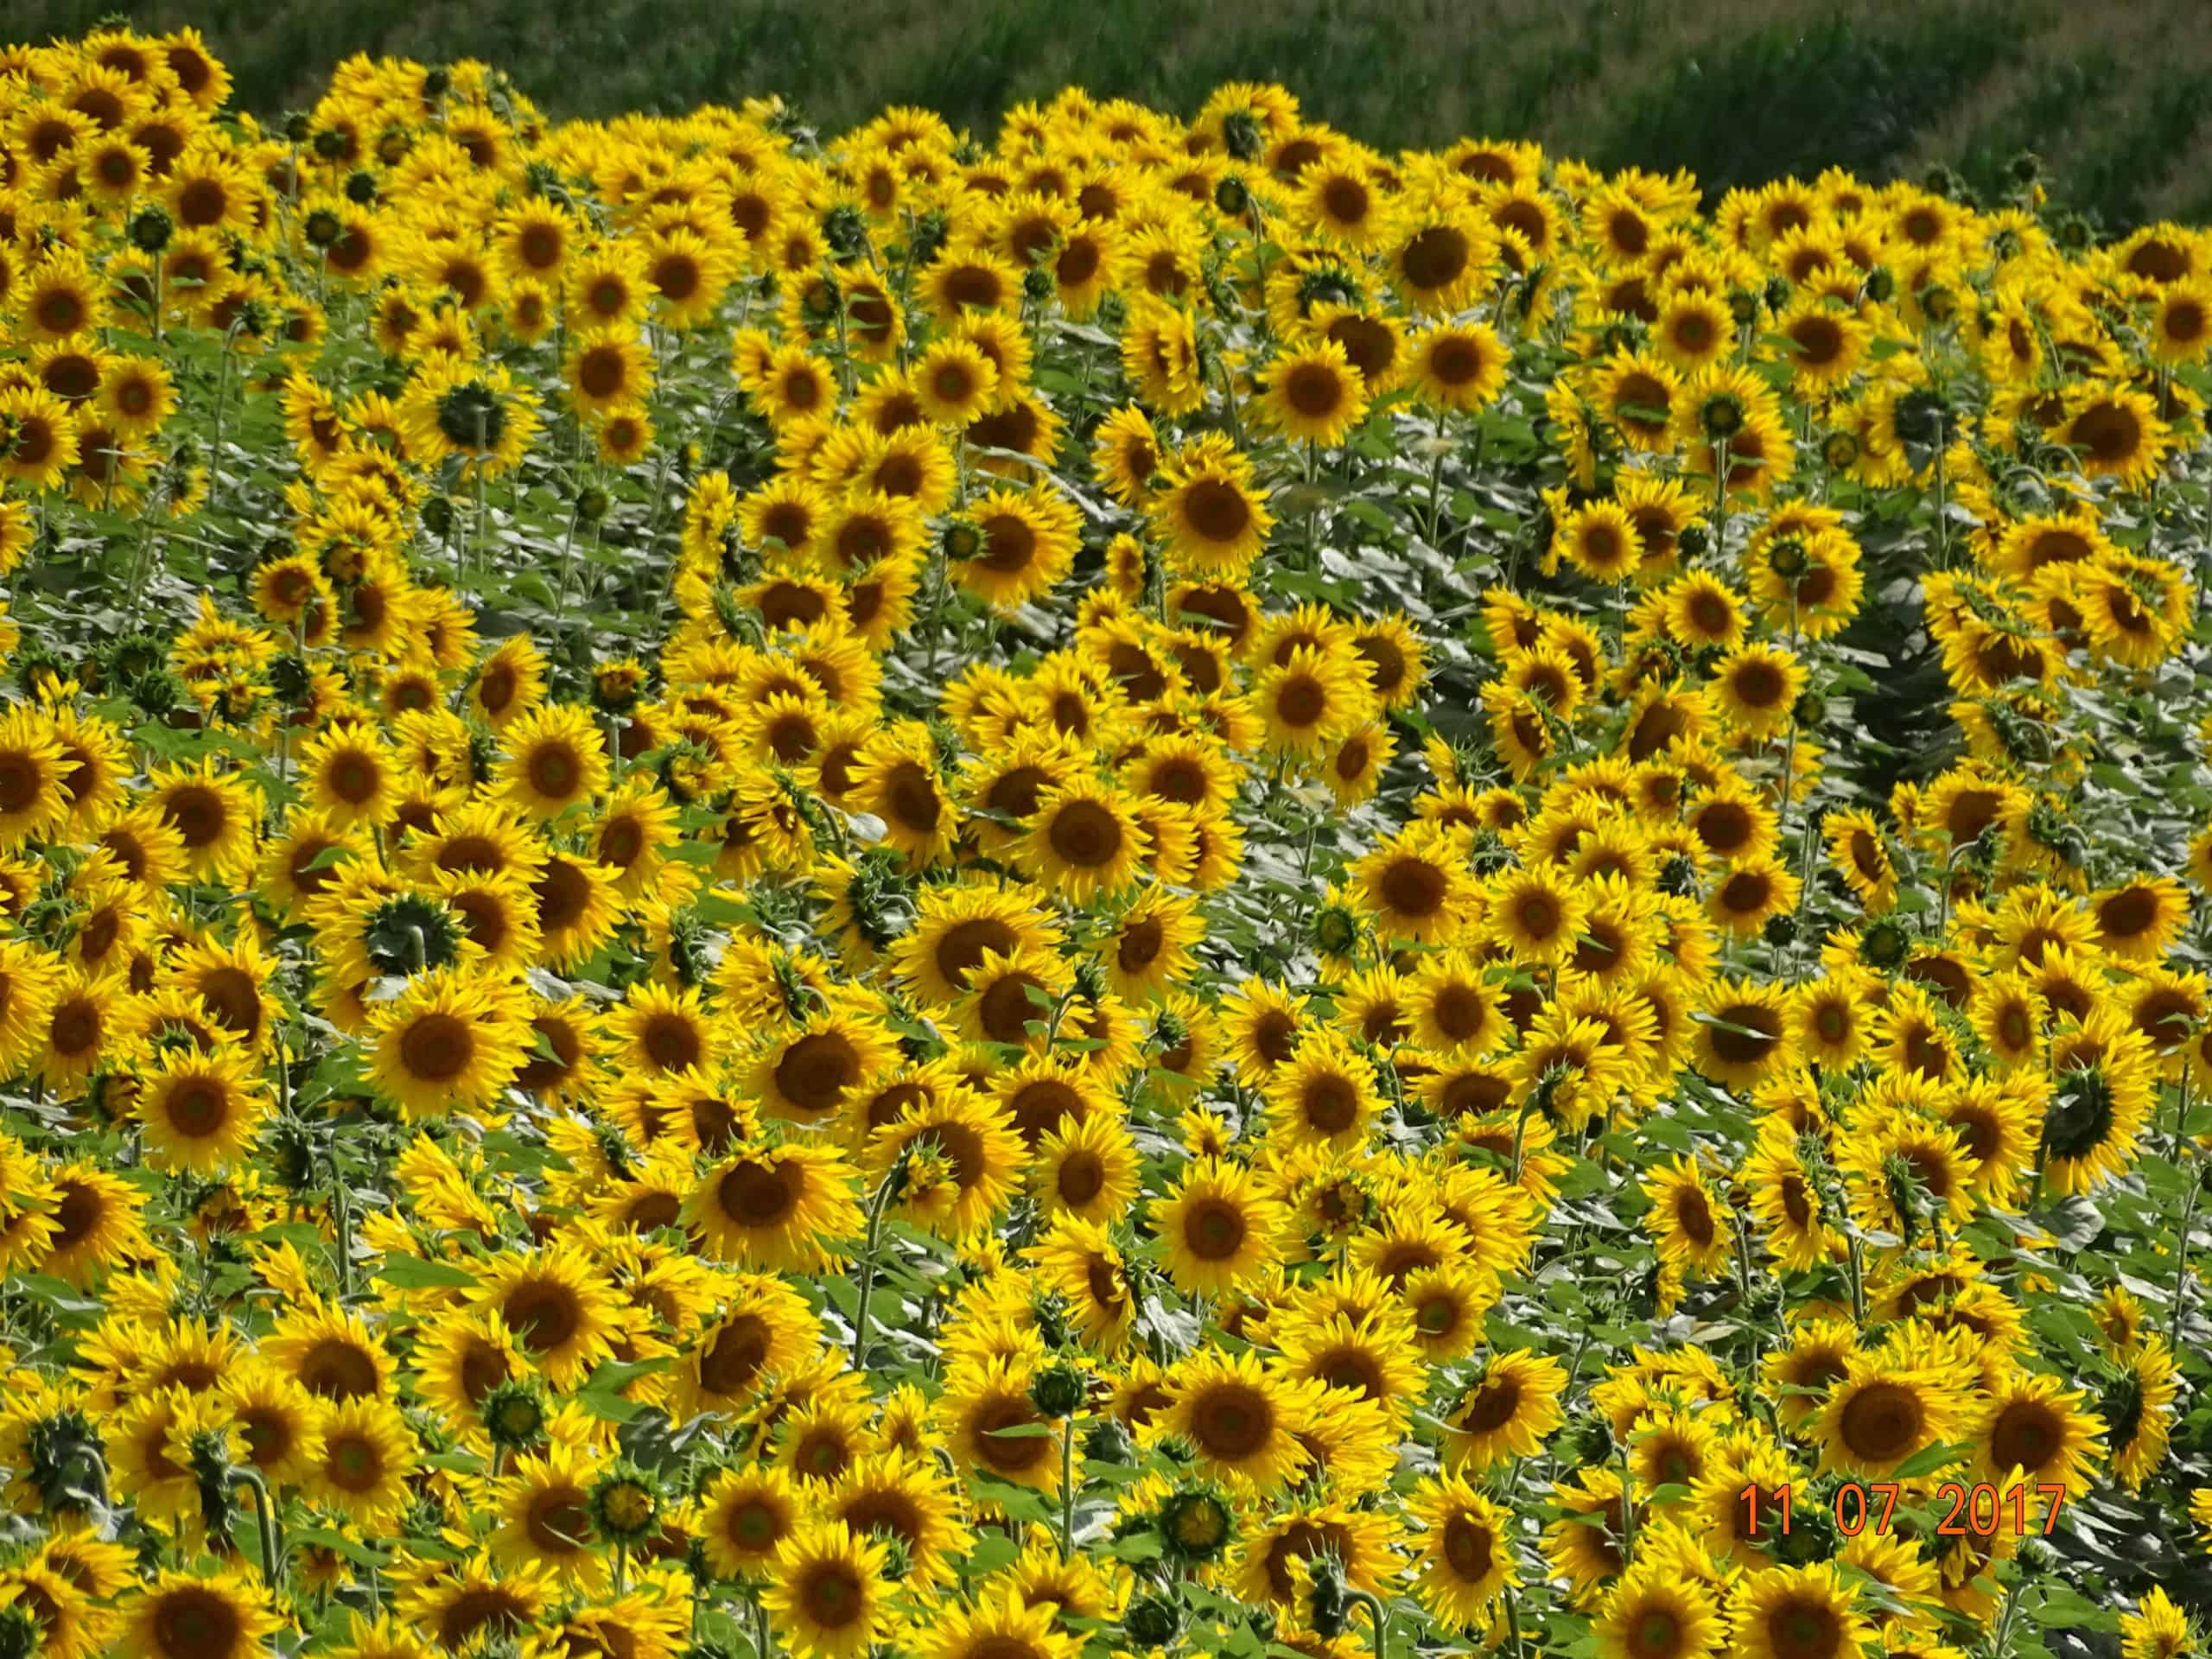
(1739, 91)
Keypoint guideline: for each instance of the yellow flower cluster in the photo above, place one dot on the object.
(1143, 888)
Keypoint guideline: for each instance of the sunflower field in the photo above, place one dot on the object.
(1141, 886)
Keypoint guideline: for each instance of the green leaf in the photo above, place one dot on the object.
(1929, 1460)
(414, 1273)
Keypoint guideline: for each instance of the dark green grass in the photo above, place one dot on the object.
(1739, 91)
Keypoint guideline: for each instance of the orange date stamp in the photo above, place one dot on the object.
(1980, 1510)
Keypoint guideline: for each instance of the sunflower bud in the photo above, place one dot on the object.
(962, 539)
(1059, 1389)
(625, 1503)
(1152, 1621)
(1336, 931)
(513, 1414)
(20, 1634)
(1107, 1440)
(1720, 416)
(1885, 944)
(150, 229)
(1195, 1525)
(1231, 197)
(1331, 1595)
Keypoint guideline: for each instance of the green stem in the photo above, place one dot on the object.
(1067, 1489)
(1378, 1617)
(264, 1522)
(2181, 1260)
(877, 1207)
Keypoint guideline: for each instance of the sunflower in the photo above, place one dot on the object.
(827, 1593)
(2140, 1410)
(2141, 920)
(1211, 517)
(2115, 432)
(196, 1616)
(776, 1209)
(1078, 1258)
(1006, 1626)
(1216, 1229)
(822, 1062)
(350, 776)
(2032, 1423)
(557, 1304)
(897, 781)
(1326, 1095)
(747, 1515)
(1505, 1411)
(956, 926)
(97, 1224)
(1656, 1612)
(1087, 1168)
(1689, 1229)
(1083, 841)
(954, 382)
(469, 1602)
(1460, 366)
(988, 1418)
(1027, 543)
(665, 1030)
(1878, 1414)
(1240, 1418)
(201, 1113)
(1416, 883)
(80, 1027)
(543, 1509)
(1861, 854)
(1742, 1034)
(451, 1042)
(555, 758)
(38, 437)
(368, 1454)
(34, 766)
(763, 1330)
(1314, 394)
